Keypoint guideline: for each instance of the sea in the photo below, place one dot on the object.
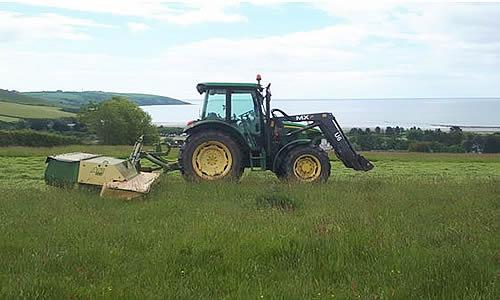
(471, 114)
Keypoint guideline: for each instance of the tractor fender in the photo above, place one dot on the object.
(287, 147)
(217, 125)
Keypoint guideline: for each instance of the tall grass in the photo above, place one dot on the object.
(427, 232)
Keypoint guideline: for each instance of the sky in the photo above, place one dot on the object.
(316, 49)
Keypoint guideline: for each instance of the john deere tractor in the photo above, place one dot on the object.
(238, 129)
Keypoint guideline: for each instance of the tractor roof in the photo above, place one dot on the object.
(202, 87)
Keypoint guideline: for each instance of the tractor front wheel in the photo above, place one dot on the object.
(306, 164)
(210, 155)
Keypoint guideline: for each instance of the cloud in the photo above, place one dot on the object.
(137, 27)
(420, 38)
(408, 50)
(184, 13)
(17, 26)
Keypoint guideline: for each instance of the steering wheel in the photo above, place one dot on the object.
(248, 113)
(274, 110)
(213, 115)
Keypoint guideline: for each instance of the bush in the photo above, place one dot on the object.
(164, 131)
(455, 149)
(420, 147)
(34, 138)
(119, 121)
(492, 144)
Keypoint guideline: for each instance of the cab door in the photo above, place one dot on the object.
(246, 116)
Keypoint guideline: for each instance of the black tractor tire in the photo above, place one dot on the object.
(190, 169)
(308, 155)
(280, 172)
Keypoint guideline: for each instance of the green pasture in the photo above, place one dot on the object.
(8, 119)
(419, 226)
(15, 110)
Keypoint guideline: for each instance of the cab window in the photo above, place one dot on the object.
(242, 105)
(215, 105)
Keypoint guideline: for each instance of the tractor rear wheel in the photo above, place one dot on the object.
(210, 155)
(306, 164)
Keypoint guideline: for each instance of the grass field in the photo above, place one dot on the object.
(418, 226)
(15, 110)
(8, 119)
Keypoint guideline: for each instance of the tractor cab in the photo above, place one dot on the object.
(236, 104)
(229, 101)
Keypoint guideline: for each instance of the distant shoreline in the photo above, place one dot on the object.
(473, 115)
(403, 98)
(443, 127)
(169, 104)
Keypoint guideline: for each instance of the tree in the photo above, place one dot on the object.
(420, 147)
(415, 134)
(473, 143)
(60, 125)
(356, 131)
(166, 131)
(454, 137)
(40, 124)
(397, 130)
(492, 144)
(118, 121)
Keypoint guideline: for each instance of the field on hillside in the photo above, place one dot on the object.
(15, 110)
(8, 119)
(417, 226)
(20, 98)
(78, 99)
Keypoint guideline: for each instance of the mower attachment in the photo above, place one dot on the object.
(122, 178)
(140, 184)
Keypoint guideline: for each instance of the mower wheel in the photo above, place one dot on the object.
(210, 155)
(306, 164)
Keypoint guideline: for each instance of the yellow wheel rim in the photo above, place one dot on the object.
(212, 160)
(307, 167)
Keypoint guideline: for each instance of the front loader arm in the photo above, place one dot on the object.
(334, 135)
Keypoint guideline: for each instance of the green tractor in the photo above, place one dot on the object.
(238, 129)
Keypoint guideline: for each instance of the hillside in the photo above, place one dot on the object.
(10, 112)
(74, 100)
(77, 99)
(21, 98)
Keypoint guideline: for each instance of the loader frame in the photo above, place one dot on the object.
(333, 134)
